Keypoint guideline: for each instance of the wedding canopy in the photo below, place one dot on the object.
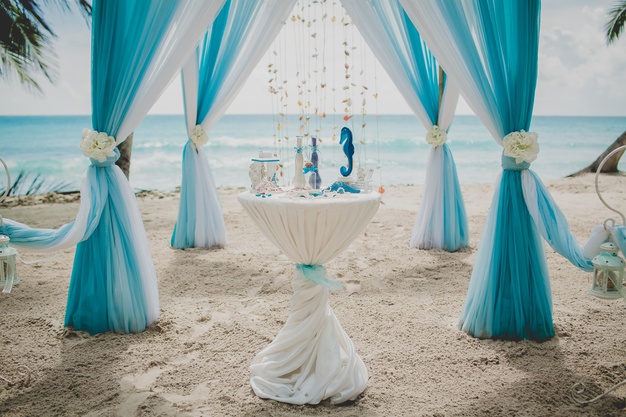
(488, 48)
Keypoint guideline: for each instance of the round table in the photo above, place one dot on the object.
(312, 358)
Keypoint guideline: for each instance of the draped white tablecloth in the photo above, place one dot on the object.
(311, 358)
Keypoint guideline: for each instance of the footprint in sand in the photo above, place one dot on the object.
(136, 388)
(352, 286)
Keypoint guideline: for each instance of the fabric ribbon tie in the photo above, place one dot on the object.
(508, 164)
(306, 170)
(313, 148)
(110, 161)
(298, 150)
(317, 275)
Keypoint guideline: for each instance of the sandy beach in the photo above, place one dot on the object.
(400, 306)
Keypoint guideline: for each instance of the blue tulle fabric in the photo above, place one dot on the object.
(25, 236)
(185, 228)
(509, 293)
(317, 275)
(198, 195)
(555, 229)
(422, 69)
(105, 289)
(455, 227)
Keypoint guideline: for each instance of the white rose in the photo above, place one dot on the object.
(521, 145)
(97, 145)
(198, 137)
(436, 137)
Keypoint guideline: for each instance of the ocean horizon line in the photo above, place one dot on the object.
(327, 115)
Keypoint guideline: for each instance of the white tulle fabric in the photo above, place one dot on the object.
(193, 18)
(210, 230)
(311, 358)
(429, 220)
(599, 235)
(145, 265)
(75, 234)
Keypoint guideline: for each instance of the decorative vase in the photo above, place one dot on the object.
(315, 181)
(298, 179)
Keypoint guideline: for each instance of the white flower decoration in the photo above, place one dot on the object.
(97, 145)
(436, 137)
(198, 137)
(521, 145)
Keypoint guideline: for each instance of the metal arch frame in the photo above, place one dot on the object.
(598, 171)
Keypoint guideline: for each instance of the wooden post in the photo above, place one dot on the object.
(125, 149)
(441, 75)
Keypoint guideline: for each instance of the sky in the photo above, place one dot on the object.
(579, 75)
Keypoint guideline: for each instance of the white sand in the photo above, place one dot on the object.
(401, 307)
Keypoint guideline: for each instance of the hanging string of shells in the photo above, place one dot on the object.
(318, 83)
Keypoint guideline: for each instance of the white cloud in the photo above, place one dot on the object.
(578, 73)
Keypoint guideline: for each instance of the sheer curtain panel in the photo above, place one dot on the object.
(441, 221)
(212, 78)
(490, 48)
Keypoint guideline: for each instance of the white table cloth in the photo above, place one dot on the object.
(311, 358)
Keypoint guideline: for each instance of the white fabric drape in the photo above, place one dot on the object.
(193, 18)
(441, 221)
(311, 358)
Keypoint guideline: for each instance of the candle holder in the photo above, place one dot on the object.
(8, 255)
(8, 264)
(608, 266)
(608, 273)
(314, 179)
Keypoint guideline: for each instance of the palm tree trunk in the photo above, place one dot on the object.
(611, 164)
(125, 149)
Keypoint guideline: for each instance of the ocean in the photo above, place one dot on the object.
(48, 145)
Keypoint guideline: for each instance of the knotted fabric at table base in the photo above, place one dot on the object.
(312, 358)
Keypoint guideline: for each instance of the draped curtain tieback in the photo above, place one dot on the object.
(110, 161)
(520, 149)
(317, 275)
(508, 164)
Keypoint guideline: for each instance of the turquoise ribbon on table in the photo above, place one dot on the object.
(306, 170)
(317, 275)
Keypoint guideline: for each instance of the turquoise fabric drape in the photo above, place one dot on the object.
(200, 221)
(452, 232)
(137, 48)
(491, 47)
(107, 288)
(441, 221)
(509, 293)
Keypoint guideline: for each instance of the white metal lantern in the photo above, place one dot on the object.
(8, 261)
(608, 267)
(608, 273)
(8, 255)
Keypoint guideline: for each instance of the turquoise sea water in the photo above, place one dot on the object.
(49, 145)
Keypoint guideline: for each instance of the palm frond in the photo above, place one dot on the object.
(615, 25)
(28, 183)
(25, 43)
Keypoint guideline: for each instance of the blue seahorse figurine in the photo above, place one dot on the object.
(348, 149)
